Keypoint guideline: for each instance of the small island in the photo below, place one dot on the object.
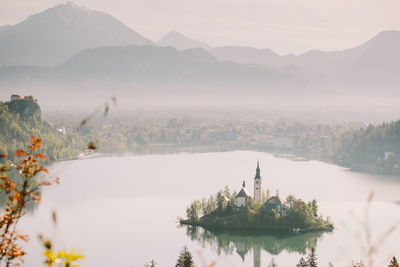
(262, 212)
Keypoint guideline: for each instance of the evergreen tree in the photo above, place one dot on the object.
(193, 212)
(394, 262)
(221, 201)
(185, 258)
(314, 207)
(302, 263)
(272, 263)
(152, 263)
(312, 259)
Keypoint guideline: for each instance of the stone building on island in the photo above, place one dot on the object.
(243, 198)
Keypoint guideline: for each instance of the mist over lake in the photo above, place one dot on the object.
(199, 133)
(129, 214)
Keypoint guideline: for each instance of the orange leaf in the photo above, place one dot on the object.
(40, 156)
(91, 146)
(33, 139)
(3, 156)
(24, 237)
(20, 152)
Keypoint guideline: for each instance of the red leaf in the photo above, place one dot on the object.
(20, 152)
(91, 146)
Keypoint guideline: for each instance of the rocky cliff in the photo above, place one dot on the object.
(27, 108)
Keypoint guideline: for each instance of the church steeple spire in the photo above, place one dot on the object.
(257, 184)
(258, 176)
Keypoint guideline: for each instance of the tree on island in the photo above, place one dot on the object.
(268, 194)
(302, 263)
(314, 207)
(221, 201)
(193, 212)
(185, 259)
(394, 262)
(312, 259)
(290, 199)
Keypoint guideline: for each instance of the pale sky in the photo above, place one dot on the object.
(286, 26)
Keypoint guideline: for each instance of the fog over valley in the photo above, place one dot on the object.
(214, 133)
(74, 52)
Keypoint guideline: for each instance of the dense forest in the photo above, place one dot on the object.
(374, 148)
(17, 126)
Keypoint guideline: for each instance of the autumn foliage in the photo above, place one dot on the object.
(28, 177)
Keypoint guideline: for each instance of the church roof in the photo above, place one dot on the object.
(275, 200)
(257, 176)
(243, 193)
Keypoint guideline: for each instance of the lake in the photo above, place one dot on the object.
(121, 211)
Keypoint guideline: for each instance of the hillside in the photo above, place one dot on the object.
(149, 64)
(19, 121)
(54, 35)
(372, 149)
(181, 42)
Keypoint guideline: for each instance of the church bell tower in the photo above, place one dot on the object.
(257, 184)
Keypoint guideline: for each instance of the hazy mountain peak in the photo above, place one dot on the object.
(174, 34)
(52, 36)
(384, 37)
(71, 4)
(181, 42)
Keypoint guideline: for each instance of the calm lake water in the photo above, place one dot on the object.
(121, 211)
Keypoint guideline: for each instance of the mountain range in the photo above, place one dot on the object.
(69, 43)
(54, 35)
(181, 42)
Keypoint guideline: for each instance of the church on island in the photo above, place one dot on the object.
(243, 198)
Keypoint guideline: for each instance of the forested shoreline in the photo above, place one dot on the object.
(361, 147)
(16, 130)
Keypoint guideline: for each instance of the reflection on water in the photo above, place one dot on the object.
(97, 193)
(242, 243)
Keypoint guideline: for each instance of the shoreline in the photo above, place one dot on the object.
(255, 229)
(165, 149)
